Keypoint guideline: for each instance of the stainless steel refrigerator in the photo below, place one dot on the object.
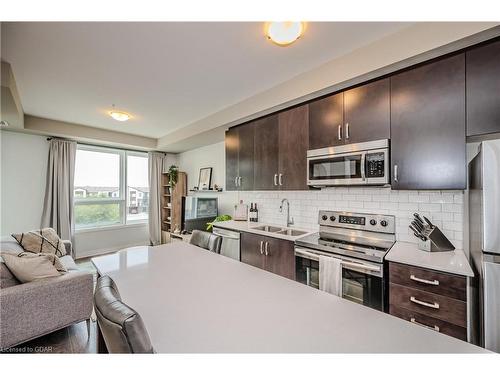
(484, 236)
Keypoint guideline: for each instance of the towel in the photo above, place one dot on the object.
(330, 275)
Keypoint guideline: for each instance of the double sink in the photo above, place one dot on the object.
(279, 230)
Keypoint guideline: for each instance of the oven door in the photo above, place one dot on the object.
(362, 281)
(341, 169)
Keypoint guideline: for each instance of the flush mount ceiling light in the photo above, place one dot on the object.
(284, 33)
(119, 115)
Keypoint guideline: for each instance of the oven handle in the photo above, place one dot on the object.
(308, 254)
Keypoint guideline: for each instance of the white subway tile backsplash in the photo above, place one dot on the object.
(444, 208)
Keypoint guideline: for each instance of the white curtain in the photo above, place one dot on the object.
(58, 203)
(158, 164)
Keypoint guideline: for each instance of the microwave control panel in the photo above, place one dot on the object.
(375, 165)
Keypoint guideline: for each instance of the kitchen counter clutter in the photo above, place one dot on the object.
(250, 227)
(454, 262)
(256, 311)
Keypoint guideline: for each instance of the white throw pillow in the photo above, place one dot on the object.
(27, 267)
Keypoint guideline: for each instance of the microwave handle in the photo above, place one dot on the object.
(363, 163)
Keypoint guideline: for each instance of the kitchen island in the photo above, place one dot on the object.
(195, 301)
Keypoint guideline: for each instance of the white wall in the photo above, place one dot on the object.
(23, 172)
(208, 156)
(444, 208)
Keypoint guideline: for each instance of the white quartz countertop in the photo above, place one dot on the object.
(196, 301)
(247, 226)
(454, 262)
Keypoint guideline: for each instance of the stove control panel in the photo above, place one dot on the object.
(360, 221)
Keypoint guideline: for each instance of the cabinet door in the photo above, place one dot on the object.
(232, 147)
(250, 249)
(367, 112)
(483, 89)
(280, 257)
(293, 145)
(266, 155)
(325, 117)
(246, 156)
(428, 126)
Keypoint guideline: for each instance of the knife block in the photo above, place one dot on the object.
(436, 241)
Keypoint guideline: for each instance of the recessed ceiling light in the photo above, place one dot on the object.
(119, 115)
(284, 33)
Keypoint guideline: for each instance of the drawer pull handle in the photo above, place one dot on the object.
(429, 282)
(414, 321)
(434, 305)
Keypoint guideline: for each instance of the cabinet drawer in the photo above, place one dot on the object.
(429, 322)
(430, 304)
(430, 281)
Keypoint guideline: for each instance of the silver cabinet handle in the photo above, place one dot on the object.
(261, 247)
(347, 130)
(430, 282)
(395, 173)
(414, 321)
(280, 179)
(267, 248)
(236, 181)
(275, 179)
(239, 181)
(434, 305)
(339, 132)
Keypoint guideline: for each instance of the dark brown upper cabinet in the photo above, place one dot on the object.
(428, 126)
(326, 122)
(367, 112)
(293, 145)
(281, 143)
(232, 143)
(266, 156)
(483, 89)
(240, 157)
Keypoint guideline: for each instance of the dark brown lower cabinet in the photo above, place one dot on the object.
(428, 298)
(268, 253)
(429, 322)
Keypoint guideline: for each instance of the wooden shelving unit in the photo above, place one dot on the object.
(171, 202)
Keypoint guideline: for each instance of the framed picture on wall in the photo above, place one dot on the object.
(205, 179)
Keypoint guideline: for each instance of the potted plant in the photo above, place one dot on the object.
(172, 173)
(218, 218)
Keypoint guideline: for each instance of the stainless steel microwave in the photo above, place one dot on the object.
(364, 163)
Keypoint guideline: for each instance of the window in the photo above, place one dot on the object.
(111, 187)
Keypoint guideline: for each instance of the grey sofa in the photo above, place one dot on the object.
(34, 309)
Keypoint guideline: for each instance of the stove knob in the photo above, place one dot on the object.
(373, 222)
(324, 217)
(332, 218)
(383, 223)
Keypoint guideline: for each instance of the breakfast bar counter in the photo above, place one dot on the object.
(195, 301)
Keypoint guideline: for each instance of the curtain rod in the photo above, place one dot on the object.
(103, 146)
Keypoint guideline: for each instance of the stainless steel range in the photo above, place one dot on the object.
(361, 242)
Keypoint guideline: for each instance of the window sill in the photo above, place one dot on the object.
(111, 227)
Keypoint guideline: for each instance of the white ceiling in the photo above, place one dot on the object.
(167, 75)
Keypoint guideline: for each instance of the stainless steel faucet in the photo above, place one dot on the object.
(289, 220)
